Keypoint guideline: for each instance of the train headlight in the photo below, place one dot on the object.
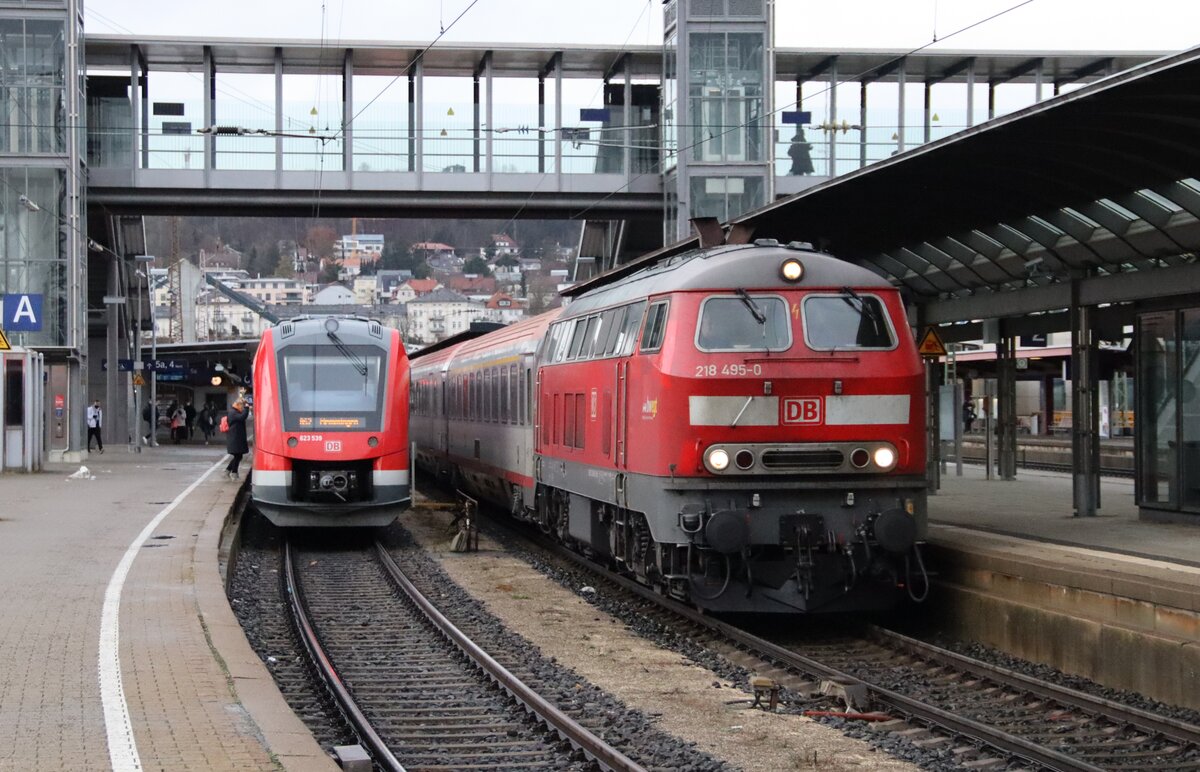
(717, 459)
(372, 441)
(885, 457)
(331, 325)
(791, 270)
(293, 442)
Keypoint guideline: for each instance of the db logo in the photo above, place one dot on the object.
(802, 410)
(333, 446)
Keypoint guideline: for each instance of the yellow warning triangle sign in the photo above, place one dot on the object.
(138, 380)
(931, 344)
(4, 342)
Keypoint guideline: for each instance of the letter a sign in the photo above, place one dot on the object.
(22, 313)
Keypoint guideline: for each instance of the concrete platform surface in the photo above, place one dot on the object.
(118, 649)
(1037, 505)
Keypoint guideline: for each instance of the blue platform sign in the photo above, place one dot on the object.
(22, 313)
(798, 117)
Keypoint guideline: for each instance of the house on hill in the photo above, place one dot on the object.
(334, 295)
(471, 284)
(439, 314)
(503, 244)
(504, 308)
(414, 288)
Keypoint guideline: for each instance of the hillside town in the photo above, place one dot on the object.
(216, 293)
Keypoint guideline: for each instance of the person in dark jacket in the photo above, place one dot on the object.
(235, 439)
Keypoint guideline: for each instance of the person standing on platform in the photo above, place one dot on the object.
(800, 151)
(189, 417)
(235, 437)
(968, 416)
(95, 419)
(178, 425)
(150, 416)
(206, 419)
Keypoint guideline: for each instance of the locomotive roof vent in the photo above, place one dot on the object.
(375, 330)
(805, 245)
(287, 329)
(766, 242)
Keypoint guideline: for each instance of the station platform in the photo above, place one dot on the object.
(1111, 598)
(118, 649)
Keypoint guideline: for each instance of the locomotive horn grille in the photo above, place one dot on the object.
(802, 459)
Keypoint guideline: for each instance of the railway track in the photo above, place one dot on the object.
(979, 714)
(418, 692)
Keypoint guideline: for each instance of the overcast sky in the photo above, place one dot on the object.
(1166, 25)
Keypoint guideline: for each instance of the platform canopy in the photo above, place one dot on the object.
(1099, 184)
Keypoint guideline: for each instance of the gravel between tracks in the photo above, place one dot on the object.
(694, 703)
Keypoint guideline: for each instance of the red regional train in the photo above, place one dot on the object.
(741, 427)
(331, 423)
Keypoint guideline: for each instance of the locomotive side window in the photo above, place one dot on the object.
(589, 337)
(847, 321)
(656, 323)
(577, 338)
(613, 320)
(744, 323)
(628, 334)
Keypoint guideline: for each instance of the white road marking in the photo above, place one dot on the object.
(122, 747)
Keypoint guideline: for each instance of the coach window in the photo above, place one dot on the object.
(656, 323)
(846, 321)
(527, 391)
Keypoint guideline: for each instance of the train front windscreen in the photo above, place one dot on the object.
(332, 388)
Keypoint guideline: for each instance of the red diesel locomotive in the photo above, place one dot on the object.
(741, 427)
(331, 423)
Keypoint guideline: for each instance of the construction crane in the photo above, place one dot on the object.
(242, 298)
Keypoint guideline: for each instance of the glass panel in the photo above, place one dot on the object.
(312, 121)
(245, 100)
(1189, 407)
(381, 123)
(730, 324)
(32, 249)
(1159, 400)
(845, 321)
(725, 84)
(328, 389)
(32, 54)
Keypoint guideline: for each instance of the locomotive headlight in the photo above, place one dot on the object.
(293, 442)
(791, 270)
(718, 459)
(885, 457)
(331, 325)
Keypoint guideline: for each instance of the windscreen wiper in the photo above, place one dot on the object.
(855, 301)
(359, 363)
(755, 311)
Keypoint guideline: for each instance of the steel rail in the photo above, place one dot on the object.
(997, 739)
(1171, 728)
(566, 727)
(308, 636)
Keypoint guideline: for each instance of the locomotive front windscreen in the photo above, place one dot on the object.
(332, 388)
(847, 320)
(744, 322)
